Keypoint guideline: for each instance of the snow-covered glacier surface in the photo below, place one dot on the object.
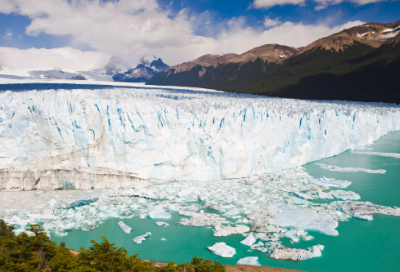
(115, 138)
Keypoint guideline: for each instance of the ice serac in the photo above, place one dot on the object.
(109, 138)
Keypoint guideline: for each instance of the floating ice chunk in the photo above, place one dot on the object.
(392, 155)
(226, 231)
(160, 224)
(285, 253)
(163, 239)
(234, 211)
(202, 219)
(158, 213)
(187, 213)
(323, 195)
(350, 169)
(124, 227)
(189, 191)
(249, 261)
(295, 235)
(172, 207)
(357, 209)
(292, 216)
(363, 217)
(256, 191)
(141, 238)
(249, 241)
(332, 182)
(223, 250)
(345, 195)
(52, 202)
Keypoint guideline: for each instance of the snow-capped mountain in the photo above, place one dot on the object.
(148, 67)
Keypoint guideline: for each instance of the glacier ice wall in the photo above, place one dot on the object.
(83, 139)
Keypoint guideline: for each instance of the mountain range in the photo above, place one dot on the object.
(148, 67)
(360, 64)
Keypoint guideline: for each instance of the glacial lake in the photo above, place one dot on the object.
(361, 245)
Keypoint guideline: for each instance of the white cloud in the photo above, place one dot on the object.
(321, 3)
(8, 34)
(65, 58)
(131, 29)
(271, 3)
(268, 22)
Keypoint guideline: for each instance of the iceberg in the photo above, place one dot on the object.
(158, 213)
(345, 195)
(249, 261)
(160, 224)
(141, 238)
(362, 209)
(332, 182)
(292, 216)
(226, 231)
(124, 227)
(80, 139)
(295, 254)
(223, 250)
(249, 241)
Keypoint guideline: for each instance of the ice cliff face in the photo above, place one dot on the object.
(111, 138)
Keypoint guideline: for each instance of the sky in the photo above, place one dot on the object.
(84, 34)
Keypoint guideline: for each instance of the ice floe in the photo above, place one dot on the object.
(332, 182)
(161, 224)
(223, 250)
(292, 216)
(350, 169)
(345, 195)
(124, 227)
(359, 209)
(141, 238)
(249, 240)
(229, 230)
(295, 254)
(249, 261)
(383, 154)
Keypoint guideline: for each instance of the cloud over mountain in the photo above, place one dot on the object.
(131, 29)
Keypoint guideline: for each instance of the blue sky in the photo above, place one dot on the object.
(177, 30)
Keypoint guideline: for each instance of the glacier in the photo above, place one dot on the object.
(121, 137)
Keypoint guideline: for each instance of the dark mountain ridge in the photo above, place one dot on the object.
(361, 64)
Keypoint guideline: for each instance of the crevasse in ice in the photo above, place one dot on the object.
(112, 138)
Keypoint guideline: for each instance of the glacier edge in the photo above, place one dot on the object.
(114, 138)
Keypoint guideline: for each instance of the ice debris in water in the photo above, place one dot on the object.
(124, 227)
(158, 213)
(332, 182)
(292, 216)
(285, 253)
(223, 250)
(350, 169)
(268, 215)
(160, 224)
(249, 261)
(141, 238)
(179, 135)
(362, 210)
(249, 240)
(229, 230)
(345, 195)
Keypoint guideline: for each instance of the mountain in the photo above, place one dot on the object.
(214, 71)
(148, 67)
(361, 64)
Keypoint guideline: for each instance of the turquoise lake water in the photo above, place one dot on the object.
(361, 245)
